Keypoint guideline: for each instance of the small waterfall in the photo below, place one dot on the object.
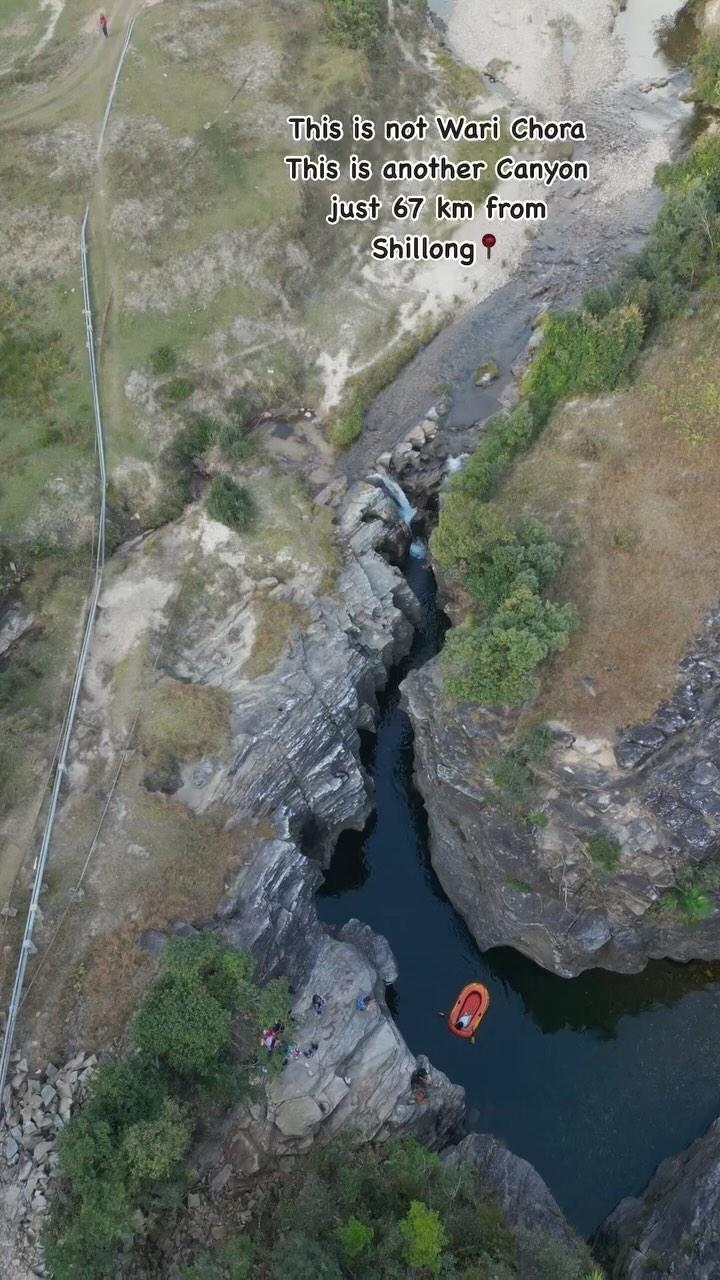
(405, 510)
(456, 463)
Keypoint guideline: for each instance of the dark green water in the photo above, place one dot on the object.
(593, 1080)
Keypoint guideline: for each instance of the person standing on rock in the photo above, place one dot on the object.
(318, 1004)
(103, 24)
(419, 1083)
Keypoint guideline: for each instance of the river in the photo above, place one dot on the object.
(593, 1080)
(591, 227)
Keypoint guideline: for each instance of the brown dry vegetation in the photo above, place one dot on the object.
(276, 619)
(633, 481)
(190, 720)
(156, 863)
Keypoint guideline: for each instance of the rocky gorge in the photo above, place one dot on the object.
(294, 762)
(654, 791)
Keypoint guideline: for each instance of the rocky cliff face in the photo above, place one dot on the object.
(295, 745)
(654, 792)
(673, 1229)
(358, 1075)
(518, 1188)
(296, 759)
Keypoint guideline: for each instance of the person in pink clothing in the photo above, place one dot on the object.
(103, 24)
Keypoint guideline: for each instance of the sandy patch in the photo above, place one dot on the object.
(229, 257)
(255, 66)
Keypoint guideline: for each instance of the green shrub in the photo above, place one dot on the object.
(163, 360)
(154, 1148)
(495, 663)
(512, 778)
(355, 1238)
(234, 1262)
(466, 531)
(424, 1236)
(243, 407)
(121, 1156)
(604, 850)
(176, 390)
(178, 460)
(707, 876)
(231, 504)
(530, 559)
(303, 1258)
(346, 422)
(359, 23)
(693, 903)
(582, 353)
(237, 443)
(184, 1020)
(705, 68)
(537, 819)
(386, 1211)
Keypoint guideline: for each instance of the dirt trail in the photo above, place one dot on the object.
(86, 76)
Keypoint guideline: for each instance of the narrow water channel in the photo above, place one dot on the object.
(593, 1080)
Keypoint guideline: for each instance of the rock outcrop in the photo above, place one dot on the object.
(296, 749)
(653, 795)
(35, 1108)
(520, 1191)
(351, 1069)
(673, 1229)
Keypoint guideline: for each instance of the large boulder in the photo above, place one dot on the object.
(673, 1228)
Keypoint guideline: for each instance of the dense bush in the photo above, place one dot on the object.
(346, 421)
(176, 390)
(495, 662)
(530, 558)
(706, 71)
(163, 360)
(237, 443)
(358, 22)
(231, 504)
(583, 353)
(178, 461)
(124, 1151)
(511, 629)
(386, 1213)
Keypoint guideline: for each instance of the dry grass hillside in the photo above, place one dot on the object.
(632, 481)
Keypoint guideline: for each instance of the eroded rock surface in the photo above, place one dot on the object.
(524, 1198)
(295, 750)
(654, 793)
(673, 1229)
(358, 1076)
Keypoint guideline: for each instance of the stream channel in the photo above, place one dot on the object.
(593, 1080)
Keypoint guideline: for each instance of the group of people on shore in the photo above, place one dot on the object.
(273, 1039)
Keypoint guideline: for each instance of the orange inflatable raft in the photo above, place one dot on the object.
(469, 1010)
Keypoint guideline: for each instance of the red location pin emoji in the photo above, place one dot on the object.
(489, 242)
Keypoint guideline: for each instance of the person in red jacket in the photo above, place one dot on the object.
(103, 24)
